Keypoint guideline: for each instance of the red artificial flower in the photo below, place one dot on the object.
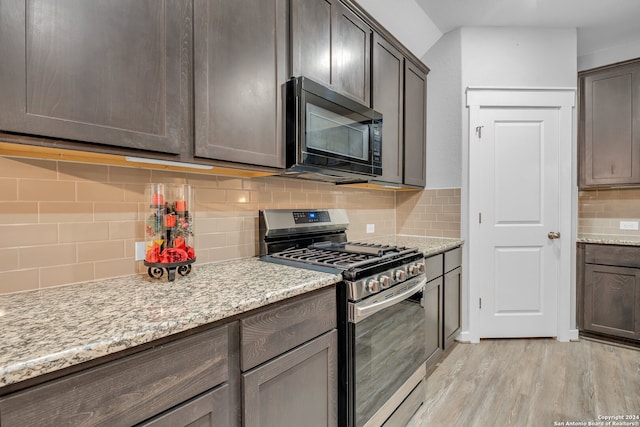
(153, 253)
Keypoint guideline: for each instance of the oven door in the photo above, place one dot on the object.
(386, 335)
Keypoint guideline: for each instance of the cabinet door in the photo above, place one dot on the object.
(298, 388)
(331, 45)
(109, 72)
(207, 410)
(311, 39)
(452, 320)
(612, 300)
(433, 309)
(240, 66)
(415, 126)
(611, 128)
(388, 97)
(351, 54)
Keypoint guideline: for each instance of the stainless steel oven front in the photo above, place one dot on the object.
(386, 352)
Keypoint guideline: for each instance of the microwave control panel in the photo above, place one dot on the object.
(376, 145)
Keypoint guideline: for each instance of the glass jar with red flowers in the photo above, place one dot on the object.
(169, 230)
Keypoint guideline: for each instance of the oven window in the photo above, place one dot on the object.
(333, 133)
(389, 347)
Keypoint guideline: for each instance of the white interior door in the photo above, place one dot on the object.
(519, 184)
(517, 209)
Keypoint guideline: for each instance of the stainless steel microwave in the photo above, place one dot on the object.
(330, 137)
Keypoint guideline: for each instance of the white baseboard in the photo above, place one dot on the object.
(574, 335)
(465, 337)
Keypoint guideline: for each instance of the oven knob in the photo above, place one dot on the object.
(373, 286)
(385, 281)
(420, 266)
(413, 270)
(400, 275)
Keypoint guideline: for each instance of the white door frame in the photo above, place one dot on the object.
(564, 100)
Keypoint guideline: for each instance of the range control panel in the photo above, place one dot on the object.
(308, 217)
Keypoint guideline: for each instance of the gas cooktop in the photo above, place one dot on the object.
(348, 255)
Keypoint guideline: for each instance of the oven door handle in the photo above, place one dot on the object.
(364, 309)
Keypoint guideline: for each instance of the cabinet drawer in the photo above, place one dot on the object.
(269, 333)
(210, 409)
(433, 267)
(452, 259)
(127, 391)
(623, 256)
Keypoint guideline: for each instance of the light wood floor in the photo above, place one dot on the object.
(533, 382)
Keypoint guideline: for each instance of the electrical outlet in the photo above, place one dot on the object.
(140, 251)
(371, 228)
(628, 225)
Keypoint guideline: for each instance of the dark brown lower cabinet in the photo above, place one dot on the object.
(433, 308)
(133, 389)
(289, 363)
(442, 303)
(452, 323)
(611, 291)
(298, 388)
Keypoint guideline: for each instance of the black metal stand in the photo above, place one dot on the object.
(156, 269)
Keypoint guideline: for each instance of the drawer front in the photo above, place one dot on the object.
(622, 256)
(452, 259)
(208, 410)
(127, 391)
(274, 331)
(433, 266)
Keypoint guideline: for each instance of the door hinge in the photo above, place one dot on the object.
(479, 131)
(480, 303)
(479, 217)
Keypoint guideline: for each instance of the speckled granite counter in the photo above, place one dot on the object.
(608, 240)
(428, 245)
(43, 331)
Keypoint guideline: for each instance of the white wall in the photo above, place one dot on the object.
(525, 57)
(407, 21)
(444, 103)
(608, 56)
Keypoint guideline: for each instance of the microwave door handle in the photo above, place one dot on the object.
(359, 312)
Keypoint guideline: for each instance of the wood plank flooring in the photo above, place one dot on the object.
(532, 382)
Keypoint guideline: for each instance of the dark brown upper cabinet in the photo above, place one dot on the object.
(399, 93)
(240, 66)
(609, 133)
(415, 125)
(332, 45)
(388, 99)
(110, 72)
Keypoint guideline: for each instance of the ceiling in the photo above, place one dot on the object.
(601, 24)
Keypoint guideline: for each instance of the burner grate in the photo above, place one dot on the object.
(343, 255)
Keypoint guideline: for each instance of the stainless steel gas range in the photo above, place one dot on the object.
(381, 317)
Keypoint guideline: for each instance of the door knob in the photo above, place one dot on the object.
(553, 235)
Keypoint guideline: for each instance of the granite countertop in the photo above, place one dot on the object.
(51, 329)
(428, 245)
(609, 240)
